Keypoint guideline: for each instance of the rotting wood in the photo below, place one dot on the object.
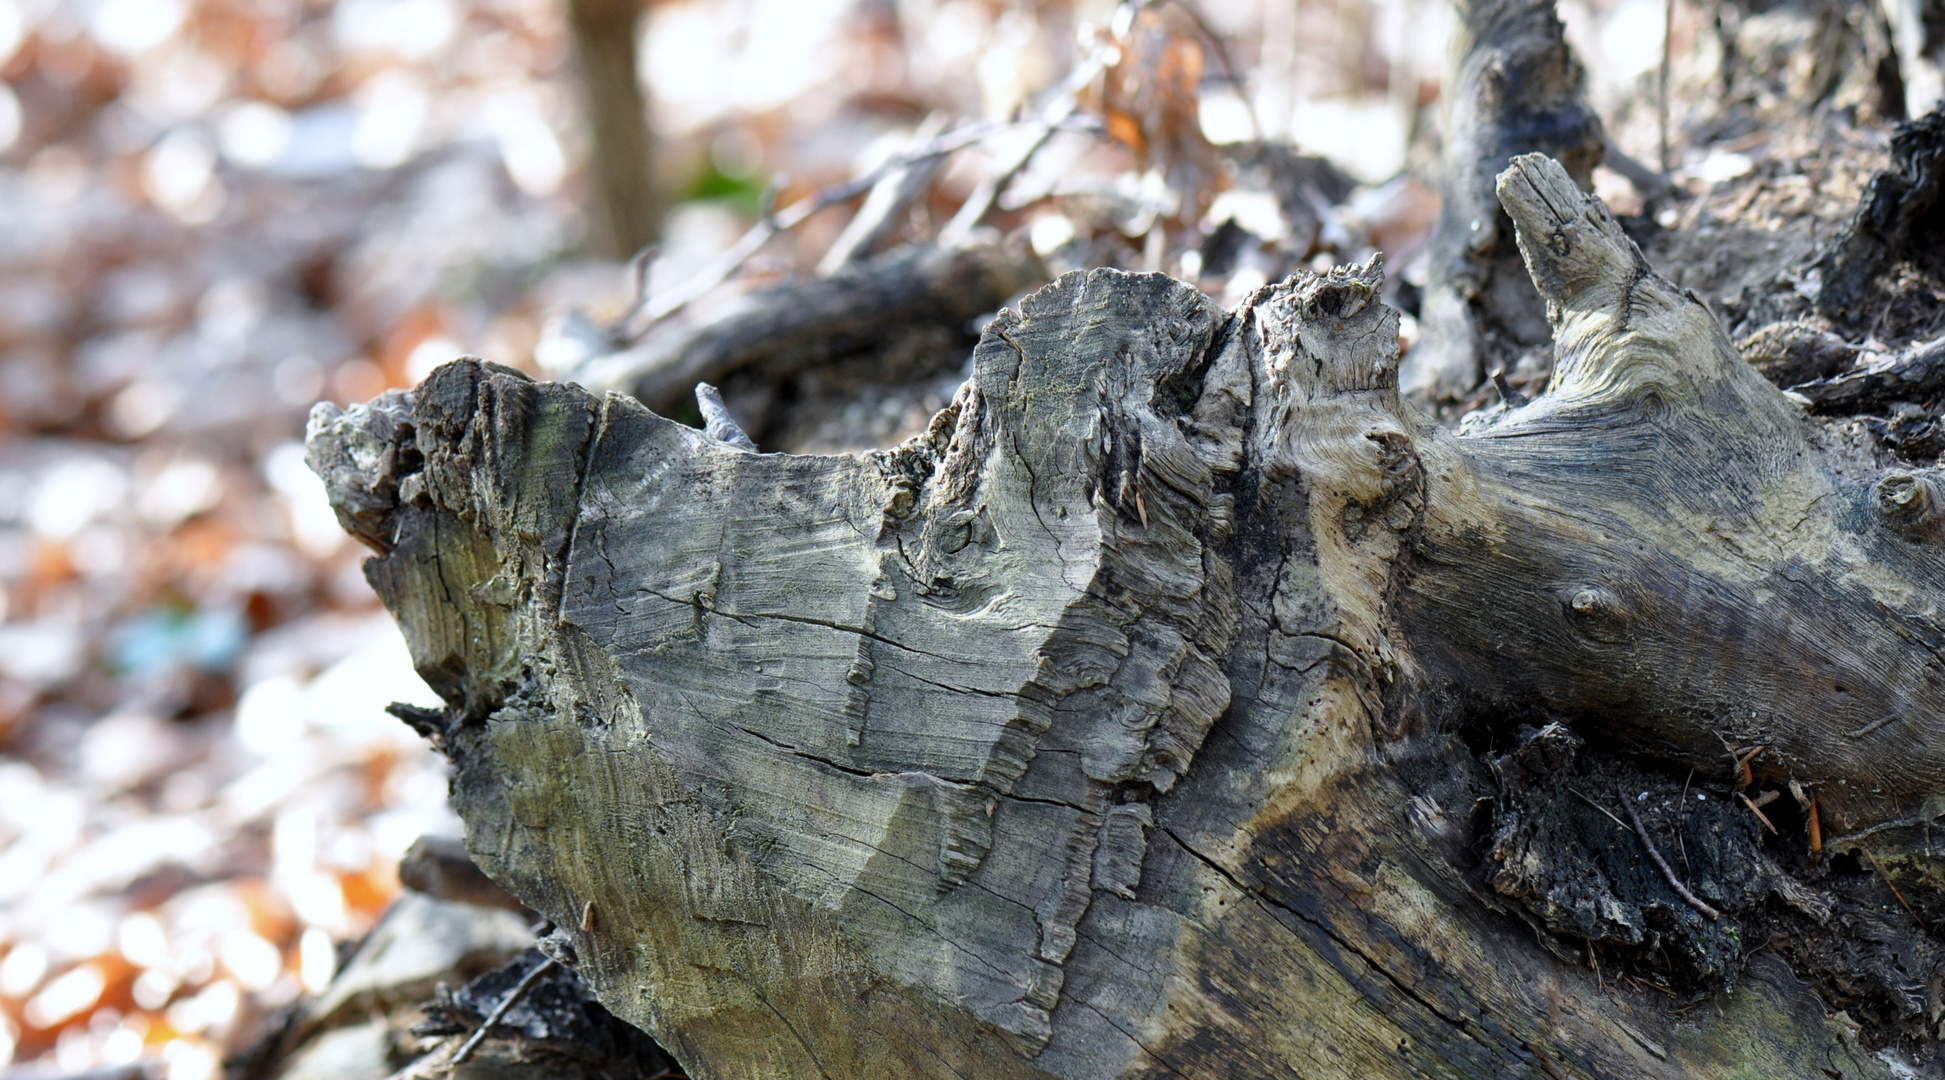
(1114, 727)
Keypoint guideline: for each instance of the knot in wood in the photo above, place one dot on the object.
(1910, 504)
(1397, 490)
(1597, 612)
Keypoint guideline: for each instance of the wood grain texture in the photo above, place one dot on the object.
(1098, 732)
(1666, 542)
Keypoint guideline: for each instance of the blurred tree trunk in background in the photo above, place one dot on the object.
(626, 213)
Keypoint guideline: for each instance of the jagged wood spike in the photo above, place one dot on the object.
(717, 422)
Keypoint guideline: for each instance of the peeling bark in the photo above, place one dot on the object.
(1184, 702)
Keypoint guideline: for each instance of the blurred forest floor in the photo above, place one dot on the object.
(214, 213)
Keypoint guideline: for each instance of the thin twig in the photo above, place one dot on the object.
(1757, 810)
(1874, 725)
(1809, 804)
(1667, 871)
(1056, 113)
(513, 996)
(1735, 763)
(893, 194)
(1059, 115)
(639, 266)
(980, 202)
(1599, 807)
(651, 310)
(1886, 878)
(1681, 843)
(1740, 773)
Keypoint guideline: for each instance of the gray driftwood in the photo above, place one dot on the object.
(1125, 724)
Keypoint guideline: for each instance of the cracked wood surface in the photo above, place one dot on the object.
(1096, 732)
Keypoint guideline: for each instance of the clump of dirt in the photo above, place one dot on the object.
(1563, 850)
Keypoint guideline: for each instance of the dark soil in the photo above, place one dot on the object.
(1559, 848)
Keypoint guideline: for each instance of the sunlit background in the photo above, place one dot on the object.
(214, 213)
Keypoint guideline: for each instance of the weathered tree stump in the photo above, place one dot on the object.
(1185, 703)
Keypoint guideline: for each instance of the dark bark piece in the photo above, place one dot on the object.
(1513, 87)
(1900, 221)
(439, 867)
(1913, 375)
(1789, 353)
(866, 306)
(348, 1032)
(553, 1028)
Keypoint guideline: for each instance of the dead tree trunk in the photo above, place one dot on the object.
(1185, 703)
